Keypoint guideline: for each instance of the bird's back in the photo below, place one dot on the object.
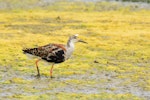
(51, 52)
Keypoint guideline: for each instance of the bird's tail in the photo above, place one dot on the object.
(32, 51)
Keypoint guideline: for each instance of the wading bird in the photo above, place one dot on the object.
(53, 53)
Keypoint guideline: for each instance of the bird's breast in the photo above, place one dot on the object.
(69, 53)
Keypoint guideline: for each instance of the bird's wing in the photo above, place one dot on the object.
(48, 52)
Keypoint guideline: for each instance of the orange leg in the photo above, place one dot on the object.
(51, 71)
(37, 67)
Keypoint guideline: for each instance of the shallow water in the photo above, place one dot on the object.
(105, 82)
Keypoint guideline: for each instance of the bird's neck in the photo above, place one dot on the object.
(70, 44)
(70, 49)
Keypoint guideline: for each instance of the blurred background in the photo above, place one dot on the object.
(96, 5)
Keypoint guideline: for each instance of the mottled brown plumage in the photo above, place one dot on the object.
(54, 53)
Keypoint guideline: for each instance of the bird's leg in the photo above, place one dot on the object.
(51, 71)
(37, 67)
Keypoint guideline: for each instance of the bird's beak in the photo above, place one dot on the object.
(82, 41)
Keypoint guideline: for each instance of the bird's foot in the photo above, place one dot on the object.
(38, 75)
(52, 77)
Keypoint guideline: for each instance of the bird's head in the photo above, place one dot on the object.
(74, 39)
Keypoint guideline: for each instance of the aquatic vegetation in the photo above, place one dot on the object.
(113, 64)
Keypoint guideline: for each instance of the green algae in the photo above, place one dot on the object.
(114, 62)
